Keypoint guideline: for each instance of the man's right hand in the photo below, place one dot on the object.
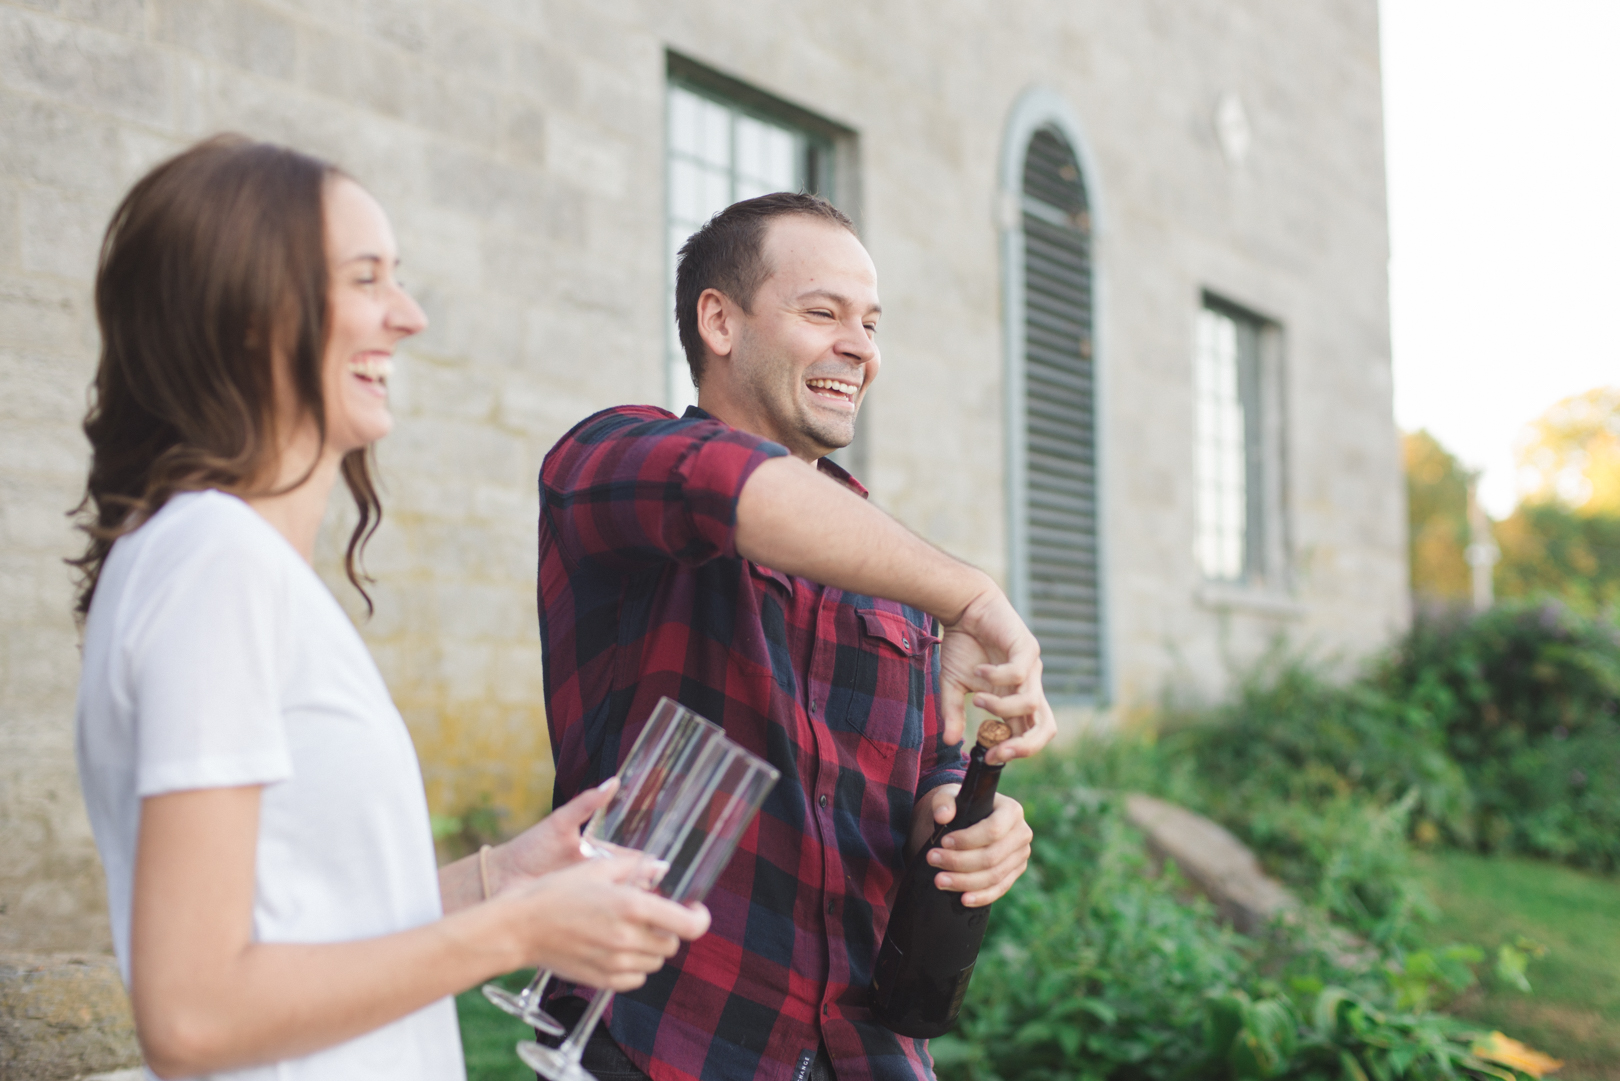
(989, 652)
(793, 519)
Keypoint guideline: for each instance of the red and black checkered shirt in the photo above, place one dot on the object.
(642, 594)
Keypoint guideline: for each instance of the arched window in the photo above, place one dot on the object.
(1056, 555)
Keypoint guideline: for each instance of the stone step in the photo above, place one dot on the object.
(65, 1016)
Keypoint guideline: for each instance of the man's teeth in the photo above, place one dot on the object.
(834, 385)
(374, 368)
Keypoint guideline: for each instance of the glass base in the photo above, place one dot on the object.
(512, 1002)
(552, 1063)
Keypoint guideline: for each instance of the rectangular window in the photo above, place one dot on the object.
(725, 144)
(1230, 532)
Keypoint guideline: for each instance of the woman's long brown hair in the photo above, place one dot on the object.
(214, 260)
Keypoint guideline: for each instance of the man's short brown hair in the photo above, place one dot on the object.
(726, 254)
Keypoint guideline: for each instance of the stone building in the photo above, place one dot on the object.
(1132, 258)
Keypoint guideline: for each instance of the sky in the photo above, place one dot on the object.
(1502, 121)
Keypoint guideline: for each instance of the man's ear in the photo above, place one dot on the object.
(717, 322)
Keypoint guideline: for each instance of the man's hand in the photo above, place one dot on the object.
(791, 518)
(984, 860)
(989, 650)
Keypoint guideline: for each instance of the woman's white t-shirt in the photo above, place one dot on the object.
(215, 657)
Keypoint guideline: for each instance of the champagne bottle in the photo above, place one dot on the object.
(933, 939)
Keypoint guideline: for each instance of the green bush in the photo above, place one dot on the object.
(1323, 782)
(1527, 699)
(1499, 731)
(1097, 968)
(1092, 966)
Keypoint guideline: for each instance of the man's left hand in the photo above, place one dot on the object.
(984, 860)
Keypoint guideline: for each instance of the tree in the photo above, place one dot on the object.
(1563, 540)
(1571, 454)
(1550, 550)
(1437, 520)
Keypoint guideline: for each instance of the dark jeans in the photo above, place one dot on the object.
(606, 1062)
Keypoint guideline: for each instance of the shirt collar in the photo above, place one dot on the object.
(826, 465)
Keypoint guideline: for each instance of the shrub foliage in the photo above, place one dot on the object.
(1099, 968)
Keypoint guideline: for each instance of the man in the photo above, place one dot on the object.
(720, 559)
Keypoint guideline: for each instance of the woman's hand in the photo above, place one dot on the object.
(208, 996)
(549, 845)
(595, 924)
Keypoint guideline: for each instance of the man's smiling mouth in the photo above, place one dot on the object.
(837, 389)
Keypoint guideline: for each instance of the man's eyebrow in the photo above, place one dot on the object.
(836, 298)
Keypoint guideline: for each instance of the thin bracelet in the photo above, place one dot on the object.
(483, 869)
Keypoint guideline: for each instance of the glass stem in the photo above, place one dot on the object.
(534, 988)
(573, 1048)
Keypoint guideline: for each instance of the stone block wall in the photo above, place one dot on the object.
(518, 146)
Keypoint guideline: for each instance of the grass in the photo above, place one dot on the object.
(1574, 1010)
(488, 1035)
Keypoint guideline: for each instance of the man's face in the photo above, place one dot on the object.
(804, 358)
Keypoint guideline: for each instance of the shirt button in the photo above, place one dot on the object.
(905, 642)
(824, 799)
(826, 1009)
(831, 907)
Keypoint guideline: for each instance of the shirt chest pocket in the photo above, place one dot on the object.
(882, 679)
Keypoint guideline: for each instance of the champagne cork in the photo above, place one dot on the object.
(993, 731)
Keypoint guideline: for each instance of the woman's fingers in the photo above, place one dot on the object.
(594, 923)
(577, 811)
(552, 843)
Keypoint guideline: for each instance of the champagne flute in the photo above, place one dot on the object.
(673, 739)
(715, 802)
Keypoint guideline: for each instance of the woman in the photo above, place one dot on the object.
(253, 791)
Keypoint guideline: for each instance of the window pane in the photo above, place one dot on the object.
(714, 134)
(1221, 458)
(685, 197)
(780, 166)
(683, 121)
(751, 136)
(765, 158)
(715, 196)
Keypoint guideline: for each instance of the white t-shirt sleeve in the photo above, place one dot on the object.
(203, 663)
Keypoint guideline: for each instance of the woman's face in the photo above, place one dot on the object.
(370, 314)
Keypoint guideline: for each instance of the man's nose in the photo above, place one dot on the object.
(857, 344)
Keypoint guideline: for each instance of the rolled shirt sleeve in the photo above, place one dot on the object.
(636, 485)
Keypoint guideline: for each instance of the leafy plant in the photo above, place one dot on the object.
(1347, 1037)
(458, 835)
(1097, 968)
(1527, 699)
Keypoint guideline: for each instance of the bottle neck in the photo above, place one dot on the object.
(978, 795)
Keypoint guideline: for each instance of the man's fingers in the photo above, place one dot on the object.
(983, 886)
(985, 856)
(1004, 879)
(1010, 707)
(955, 712)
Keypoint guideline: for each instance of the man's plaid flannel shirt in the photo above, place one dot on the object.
(642, 594)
